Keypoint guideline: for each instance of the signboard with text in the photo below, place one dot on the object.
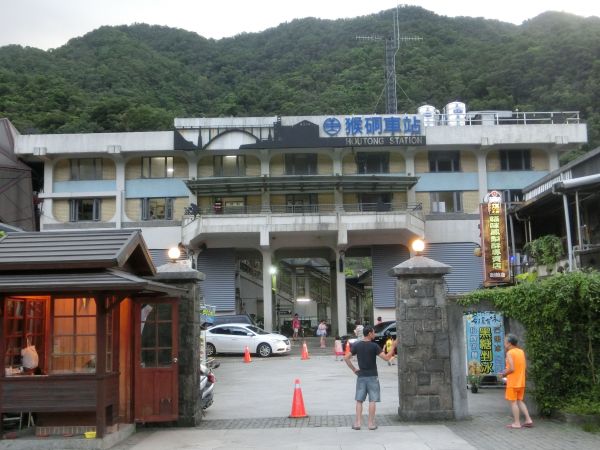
(485, 341)
(494, 240)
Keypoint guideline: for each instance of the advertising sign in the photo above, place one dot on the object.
(494, 240)
(485, 341)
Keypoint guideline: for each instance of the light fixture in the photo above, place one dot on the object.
(174, 254)
(272, 270)
(418, 245)
(303, 299)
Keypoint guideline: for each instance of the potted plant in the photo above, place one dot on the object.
(546, 250)
(474, 376)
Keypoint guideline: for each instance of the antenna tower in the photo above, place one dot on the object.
(392, 45)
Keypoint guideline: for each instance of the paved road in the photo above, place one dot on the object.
(253, 401)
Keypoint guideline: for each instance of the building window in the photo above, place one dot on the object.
(375, 202)
(157, 209)
(84, 209)
(515, 160)
(86, 169)
(444, 161)
(73, 335)
(158, 167)
(24, 325)
(230, 166)
(372, 162)
(446, 202)
(512, 195)
(301, 164)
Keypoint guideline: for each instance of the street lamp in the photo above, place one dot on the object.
(418, 245)
(174, 254)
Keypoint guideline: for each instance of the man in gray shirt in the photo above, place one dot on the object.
(366, 352)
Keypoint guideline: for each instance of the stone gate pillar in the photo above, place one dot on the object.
(426, 358)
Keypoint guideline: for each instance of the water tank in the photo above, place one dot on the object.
(429, 114)
(455, 113)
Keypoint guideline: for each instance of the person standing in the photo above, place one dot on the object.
(378, 320)
(367, 381)
(516, 367)
(295, 326)
(322, 332)
(337, 348)
(358, 329)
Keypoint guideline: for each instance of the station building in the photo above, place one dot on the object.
(302, 194)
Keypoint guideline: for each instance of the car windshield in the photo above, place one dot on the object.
(257, 330)
(380, 327)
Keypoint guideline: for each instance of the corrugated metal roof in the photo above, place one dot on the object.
(75, 250)
(84, 281)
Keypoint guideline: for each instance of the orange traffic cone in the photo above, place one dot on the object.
(247, 358)
(347, 349)
(304, 351)
(298, 402)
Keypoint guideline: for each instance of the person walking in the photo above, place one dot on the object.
(322, 332)
(367, 381)
(389, 348)
(337, 348)
(358, 329)
(516, 367)
(295, 326)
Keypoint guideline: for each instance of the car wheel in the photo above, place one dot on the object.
(264, 350)
(210, 350)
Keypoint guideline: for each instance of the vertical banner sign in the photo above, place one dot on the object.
(494, 245)
(485, 341)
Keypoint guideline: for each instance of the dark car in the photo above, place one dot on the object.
(383, 331)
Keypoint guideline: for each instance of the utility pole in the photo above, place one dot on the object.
(392, 45)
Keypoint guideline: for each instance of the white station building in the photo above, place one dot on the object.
(302, 194)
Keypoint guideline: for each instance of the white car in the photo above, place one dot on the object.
(235, 337)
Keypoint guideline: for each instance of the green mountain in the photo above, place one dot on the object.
(139, 77)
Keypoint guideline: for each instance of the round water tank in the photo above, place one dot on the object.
(456, 113)
(429, 114)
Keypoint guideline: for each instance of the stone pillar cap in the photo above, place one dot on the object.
(177, 271)
(419, 265)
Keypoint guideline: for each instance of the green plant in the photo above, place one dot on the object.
(546, 250)
(562, 317)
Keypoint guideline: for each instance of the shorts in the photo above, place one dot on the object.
(513, 394)
(296, 330)
(367, 385)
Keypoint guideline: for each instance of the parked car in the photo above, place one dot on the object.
(383, 331)
(207, 384)
(229, 318)
(235, 337)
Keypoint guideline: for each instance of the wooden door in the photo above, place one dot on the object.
(156, 371)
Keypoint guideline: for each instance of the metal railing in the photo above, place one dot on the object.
(194, 211)
(507, 118)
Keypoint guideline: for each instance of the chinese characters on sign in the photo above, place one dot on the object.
(376, 130)
(485, 341)
(493, 235)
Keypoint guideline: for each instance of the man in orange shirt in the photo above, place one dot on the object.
(515, 381)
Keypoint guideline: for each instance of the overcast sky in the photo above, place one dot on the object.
(51, 23)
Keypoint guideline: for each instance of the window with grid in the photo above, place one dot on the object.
(444, 161)
(158, 167)
(24, 322)
(301, 164)
(73, 335)
(446, 202)
(84, 209)
(157, 209)
(230, 165)
(515, 160)
(86, 168)
(156, 343)
(373, 162)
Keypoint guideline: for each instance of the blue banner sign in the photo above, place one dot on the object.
(207, 315)
(359, 126)
(485, 341)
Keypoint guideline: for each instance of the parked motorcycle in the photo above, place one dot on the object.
(207, 384)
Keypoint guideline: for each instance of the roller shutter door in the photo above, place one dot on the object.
(467, 269)
(218, 289)
(385, 257)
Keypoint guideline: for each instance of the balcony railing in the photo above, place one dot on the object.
(194, 210)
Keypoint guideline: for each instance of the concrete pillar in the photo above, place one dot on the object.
(409, 162)
(120, 185)
(427, 362)
(482, 174)
(189, 307)
(267, 290)
(340, 298)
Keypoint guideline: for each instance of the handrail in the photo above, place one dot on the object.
(306, 209)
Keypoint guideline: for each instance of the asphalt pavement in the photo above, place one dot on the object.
(253, 401)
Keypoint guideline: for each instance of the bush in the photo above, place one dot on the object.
(562, 317)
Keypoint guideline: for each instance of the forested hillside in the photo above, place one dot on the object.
(140, 77)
